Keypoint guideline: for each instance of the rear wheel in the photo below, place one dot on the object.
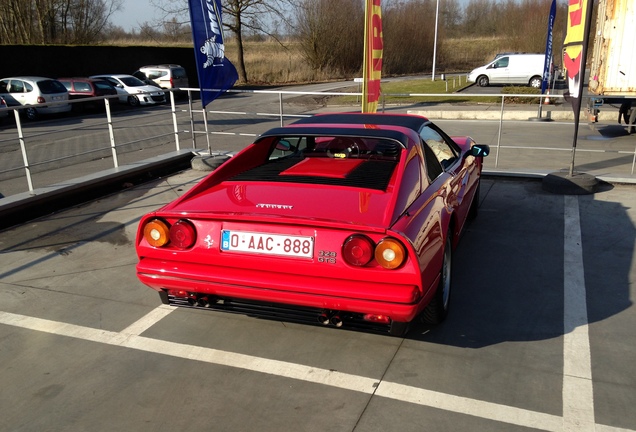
(31, 114)
(474, 206)
(437, 309)
(482, 81)
(535, 82)
(399, 328)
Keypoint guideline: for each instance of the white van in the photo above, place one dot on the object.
(524, 69)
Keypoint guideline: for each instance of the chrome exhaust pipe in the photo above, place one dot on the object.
(203, 301)
(336, 321)
(323, 318)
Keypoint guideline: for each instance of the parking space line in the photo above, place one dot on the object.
(395, 391)
(147, 321)
(578, 393)
(472, 407)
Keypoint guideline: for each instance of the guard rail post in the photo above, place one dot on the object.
(499, 133)
(111, 133)
(207, 132)
(194, 141)
(174, 120)
(25, 159)
(280, 108)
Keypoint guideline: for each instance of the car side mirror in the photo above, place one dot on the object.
(283, 145)
(480, 150)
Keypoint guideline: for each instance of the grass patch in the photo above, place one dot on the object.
(519, 90)
(412, 91)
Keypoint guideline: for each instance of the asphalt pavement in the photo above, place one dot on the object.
(539, 337)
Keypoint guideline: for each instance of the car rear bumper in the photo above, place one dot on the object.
(55, 109)
(400, 302)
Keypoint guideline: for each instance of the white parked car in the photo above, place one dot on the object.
(523, 69)
(34, 90)
(166, 76)
(133, 91)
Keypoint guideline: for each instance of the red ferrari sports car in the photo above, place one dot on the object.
(346, 220)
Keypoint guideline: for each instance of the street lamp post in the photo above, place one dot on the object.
(435, 43)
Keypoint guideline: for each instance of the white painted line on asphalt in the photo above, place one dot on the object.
(472, 407)
(578, 392)
(395, 391)
(147, 321)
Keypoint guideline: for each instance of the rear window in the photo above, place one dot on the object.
(179, 73)
(82, 86)
(360, 162)
(51, 86)
(337, 147)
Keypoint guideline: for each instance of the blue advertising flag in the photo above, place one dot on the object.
(216, 73)
(548, 49)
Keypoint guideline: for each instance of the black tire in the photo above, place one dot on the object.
(535, 82)
(437, 309)
(31, 114)
(482, 81)
(133, 100)
(474, 205)
(399, 329)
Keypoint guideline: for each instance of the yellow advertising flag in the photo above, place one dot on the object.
(573, 62)
(372, 64)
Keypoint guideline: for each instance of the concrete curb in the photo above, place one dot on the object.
(15, 209)
(489, 113)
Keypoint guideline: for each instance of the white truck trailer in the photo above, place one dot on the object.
(613, 70)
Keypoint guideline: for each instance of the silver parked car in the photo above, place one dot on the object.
(133, 91)
(32, 91)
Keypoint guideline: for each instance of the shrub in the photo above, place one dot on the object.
(518, 90)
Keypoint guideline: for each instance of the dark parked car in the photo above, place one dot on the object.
(83, 88)
(3, 114)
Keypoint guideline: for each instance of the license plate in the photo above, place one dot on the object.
(267, 243)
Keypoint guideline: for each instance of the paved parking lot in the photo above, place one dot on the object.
(540, 335)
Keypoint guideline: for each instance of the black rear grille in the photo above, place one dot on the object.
(370, 174)
(274, 311)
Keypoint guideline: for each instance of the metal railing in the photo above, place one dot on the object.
(184, 125)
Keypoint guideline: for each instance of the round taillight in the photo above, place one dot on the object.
(390, 253)
(357, 250)
(182, 234)
(157, 233)
(41, 99)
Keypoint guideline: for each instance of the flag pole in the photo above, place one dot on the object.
(576, 102)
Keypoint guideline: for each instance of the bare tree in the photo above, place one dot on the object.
(331, 34)
(54, 21)
(409, 36)
(238, 16)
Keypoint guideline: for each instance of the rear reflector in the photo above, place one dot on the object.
(182, 234)
(357, 250)
(380, 319)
